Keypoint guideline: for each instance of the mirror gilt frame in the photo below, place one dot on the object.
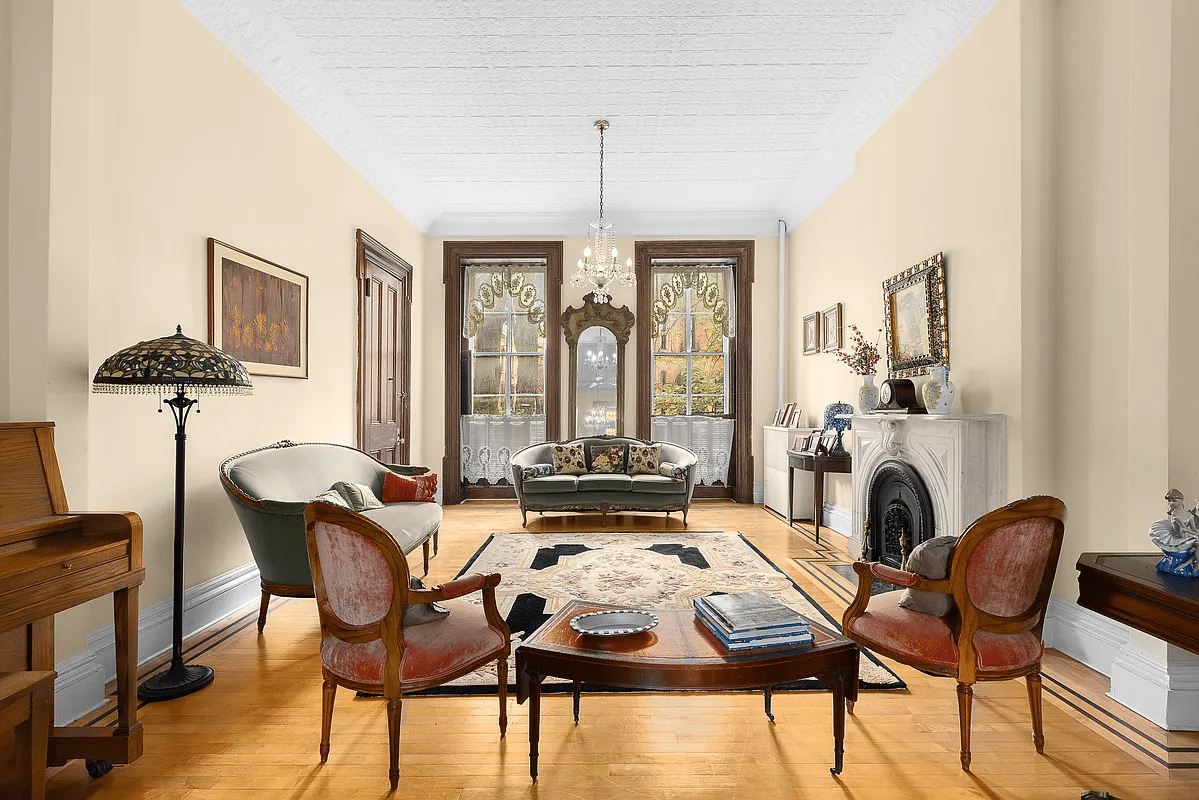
(620, 322)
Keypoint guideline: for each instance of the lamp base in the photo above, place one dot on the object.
(176, 681)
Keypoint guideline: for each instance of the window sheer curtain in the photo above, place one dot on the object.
(710, 438)
(489, 442)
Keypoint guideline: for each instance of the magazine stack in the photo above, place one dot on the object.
(751, 621)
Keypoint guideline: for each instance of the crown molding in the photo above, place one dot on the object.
(752, 224)
(264, 44)
(928, 35)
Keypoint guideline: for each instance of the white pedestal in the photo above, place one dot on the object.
(775, 443)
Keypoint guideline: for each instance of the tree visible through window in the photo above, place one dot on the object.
(506, 322)
(690, 345)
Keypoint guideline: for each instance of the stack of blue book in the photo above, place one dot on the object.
(751, 620)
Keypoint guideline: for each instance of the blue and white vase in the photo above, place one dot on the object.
(938, 391)
(867, 394)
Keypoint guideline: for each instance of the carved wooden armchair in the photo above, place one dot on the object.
(1000, 576)
(361, 581)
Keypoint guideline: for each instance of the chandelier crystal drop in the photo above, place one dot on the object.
(599, 266)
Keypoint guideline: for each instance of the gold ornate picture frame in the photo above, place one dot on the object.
(916, 318)
(830, 328)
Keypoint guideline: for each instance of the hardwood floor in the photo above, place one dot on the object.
(254, 733)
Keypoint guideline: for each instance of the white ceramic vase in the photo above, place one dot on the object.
(938, 391)
(867, 394)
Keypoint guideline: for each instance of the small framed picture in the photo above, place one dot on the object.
(800, 442)
(811, 442)
(811, 333)
(778, 417)
(796, 416)
(830, 327)
(827, 439)
(788, 410)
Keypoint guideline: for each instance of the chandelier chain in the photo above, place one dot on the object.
(601, 207)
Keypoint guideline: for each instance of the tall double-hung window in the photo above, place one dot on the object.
(690, 329)
(506, 331)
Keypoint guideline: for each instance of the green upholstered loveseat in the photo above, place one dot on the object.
(603, 492)
(270, 486)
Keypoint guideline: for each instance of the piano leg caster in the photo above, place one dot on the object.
(97, 767)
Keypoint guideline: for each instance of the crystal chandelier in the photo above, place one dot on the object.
(599, 266)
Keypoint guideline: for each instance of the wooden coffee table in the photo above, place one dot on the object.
(678, 653)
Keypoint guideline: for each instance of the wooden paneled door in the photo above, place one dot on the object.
(384, 351)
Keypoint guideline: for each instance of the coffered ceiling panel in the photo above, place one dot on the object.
(476, 118)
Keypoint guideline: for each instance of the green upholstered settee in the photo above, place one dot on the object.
(603, 492)
(270, 486)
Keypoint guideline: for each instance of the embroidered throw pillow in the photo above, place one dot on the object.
(643, 459)
(409, 488)
(331, 497)
(672, 470)
(607, 458)
(569, 459)
(930, 559)
(357, 496)
(537, 471)
(420, 613)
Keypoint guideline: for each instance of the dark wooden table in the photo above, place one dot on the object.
(818, 466)
(1127, 587)
(679, 653)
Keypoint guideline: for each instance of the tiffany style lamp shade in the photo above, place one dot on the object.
(179, 365)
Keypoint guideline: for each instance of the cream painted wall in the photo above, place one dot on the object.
(943, 173)
(765, 335)
(180, 141)
(6, 110)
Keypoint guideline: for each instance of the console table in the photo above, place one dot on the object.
(818, 466)
(1127, 587)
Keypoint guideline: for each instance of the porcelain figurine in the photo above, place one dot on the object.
(1176, 536)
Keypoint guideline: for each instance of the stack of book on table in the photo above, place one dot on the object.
(751, 620)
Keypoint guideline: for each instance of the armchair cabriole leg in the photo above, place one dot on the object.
(965, 696)
(393, 741)
(425, 550)
(1034, 705)
(435, 540)
(266, 601)
(502, 669)
(328, 695)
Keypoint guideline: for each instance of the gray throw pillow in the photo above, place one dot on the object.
(331, 497)
(420, 613)
(358, 496)
(537, 471)
(930, 559)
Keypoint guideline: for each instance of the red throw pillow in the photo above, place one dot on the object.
(409, 489)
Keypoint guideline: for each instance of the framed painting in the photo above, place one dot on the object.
(811, 333)
(916, 318)
(830, 328)
(257, 312)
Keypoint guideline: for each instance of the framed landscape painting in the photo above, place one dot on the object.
(916, 318)
(257, 312)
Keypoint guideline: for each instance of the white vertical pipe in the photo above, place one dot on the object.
(782, 401)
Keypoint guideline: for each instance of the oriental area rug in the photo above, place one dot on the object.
(542, 572)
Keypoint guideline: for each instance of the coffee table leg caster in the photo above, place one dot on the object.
(767, 694)
(578, 685)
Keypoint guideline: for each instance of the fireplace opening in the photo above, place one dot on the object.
(899, 514)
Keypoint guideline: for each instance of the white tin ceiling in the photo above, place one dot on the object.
(475, 118)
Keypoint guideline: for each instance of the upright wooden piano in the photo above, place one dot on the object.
(52, 559)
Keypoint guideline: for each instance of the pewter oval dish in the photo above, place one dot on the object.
(613, 623)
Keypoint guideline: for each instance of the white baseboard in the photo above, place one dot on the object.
(1162, 690)
(759, 493)
(79, 687)
(838, 518)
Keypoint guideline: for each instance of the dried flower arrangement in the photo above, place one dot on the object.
(863, 356)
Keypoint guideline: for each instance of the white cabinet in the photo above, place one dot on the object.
(775, 443)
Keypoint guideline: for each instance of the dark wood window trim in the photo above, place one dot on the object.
(452, 255)
(741, 463)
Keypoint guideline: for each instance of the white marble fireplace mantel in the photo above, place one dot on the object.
(962, 459)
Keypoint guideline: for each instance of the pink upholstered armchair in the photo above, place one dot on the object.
(362, 590)
(1000, 577)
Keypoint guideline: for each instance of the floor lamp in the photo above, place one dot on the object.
(180, 365)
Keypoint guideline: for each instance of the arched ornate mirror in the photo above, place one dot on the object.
(596, 335)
